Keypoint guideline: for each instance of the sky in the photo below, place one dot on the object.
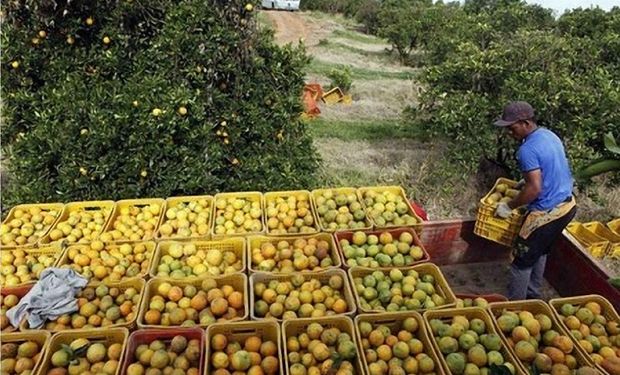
(561, 5)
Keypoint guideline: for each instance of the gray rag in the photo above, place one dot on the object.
(52, 296)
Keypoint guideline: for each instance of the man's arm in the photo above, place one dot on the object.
(530, 191)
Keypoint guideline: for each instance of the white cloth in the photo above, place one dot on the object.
(52, 296)
(503, 210)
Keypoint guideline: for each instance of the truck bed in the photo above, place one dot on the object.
(478, 266)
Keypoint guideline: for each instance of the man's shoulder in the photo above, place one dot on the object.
(542, 135)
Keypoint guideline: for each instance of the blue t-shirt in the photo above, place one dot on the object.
(543, 150)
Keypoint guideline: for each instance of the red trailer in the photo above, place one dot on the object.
(569, 270)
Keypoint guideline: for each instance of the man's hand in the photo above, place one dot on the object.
(503, 210)
(520, 184)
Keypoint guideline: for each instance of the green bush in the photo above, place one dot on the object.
(562, 77)
(186, 98)
(340, 78)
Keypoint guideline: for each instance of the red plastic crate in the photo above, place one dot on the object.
(20, 292)
(146, 336)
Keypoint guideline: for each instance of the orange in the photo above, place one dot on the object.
(64, 320)
(227, 290)
(219, 342)
(235, 300)
(198, 302)
(219, 306)
(152, 317)
(255, 359)
(100, 272)
(594, 307)
(339, 306)
(384, 352)
(268, 348)
(81, 260)
(214, 294)
(126, 308)
(78, 321)
(391, 340)
(253, 343)
(175, 294)
(270, 365)
(95, 320)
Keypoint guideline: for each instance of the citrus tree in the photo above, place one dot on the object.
(120, 99)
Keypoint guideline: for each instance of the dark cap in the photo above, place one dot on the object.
(515, 111)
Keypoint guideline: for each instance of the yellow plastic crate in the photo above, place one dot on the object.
(495, 234)
(150, 251)
(607, 310)
(272, 196)
(42, 338)
(255, 242)
(347, 191)
(614, 225)
(138, 284)
(252, 196)
(234, 244)
(172, 202)
(469, 313)
(238, 281)
(394, 321)
(239, 332)
(333, 96)
(89, 206)
(296, 327)
(322, 276)
(441, 284)
(535, 307)
(53, 250)
(396, 190)
(129, 203)
(602, 231)
(502, 231)
(594, 244)
(614, 252)
(47, 207)
(106, 337)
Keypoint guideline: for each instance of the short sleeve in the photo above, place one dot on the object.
(528, 161)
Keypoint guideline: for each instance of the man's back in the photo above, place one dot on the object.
(543, 150)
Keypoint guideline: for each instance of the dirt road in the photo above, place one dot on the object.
(290, 27)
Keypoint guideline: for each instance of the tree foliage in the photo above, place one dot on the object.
(402, 22)
(110, 100)
(492, 52)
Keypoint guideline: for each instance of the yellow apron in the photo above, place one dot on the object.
(536, 219)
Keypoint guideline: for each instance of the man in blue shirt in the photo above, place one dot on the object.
(546, 191)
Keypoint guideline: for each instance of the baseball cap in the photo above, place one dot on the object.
(515, 111)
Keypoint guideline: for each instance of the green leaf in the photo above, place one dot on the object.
(598, 168)
(610, 143)
(499, 370)
(81, 351)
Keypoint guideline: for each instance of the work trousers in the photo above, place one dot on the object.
(528, 267)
